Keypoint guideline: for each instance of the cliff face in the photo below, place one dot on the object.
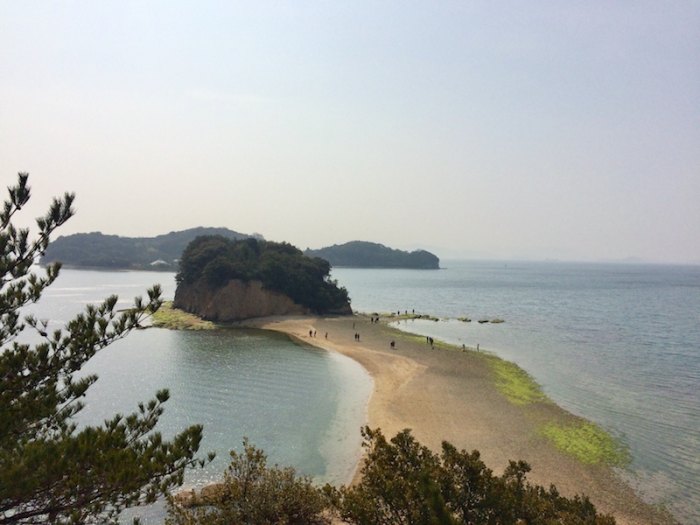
(235, 301)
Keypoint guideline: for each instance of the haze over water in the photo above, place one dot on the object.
(616, 344)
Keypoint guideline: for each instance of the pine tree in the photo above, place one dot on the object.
(51, 471)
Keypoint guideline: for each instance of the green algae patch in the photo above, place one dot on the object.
(588, 443)
(515, 383)
(175, 319)
(407, 336)
(417, 339)
(421, 339)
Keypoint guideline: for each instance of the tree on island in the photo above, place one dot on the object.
(51, 471)
(281, 267)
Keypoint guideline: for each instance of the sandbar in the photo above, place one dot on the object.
(445, 393)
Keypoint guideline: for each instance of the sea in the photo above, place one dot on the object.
(618, 344)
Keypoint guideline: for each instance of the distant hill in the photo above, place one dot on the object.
(361, 254)
(95, 250)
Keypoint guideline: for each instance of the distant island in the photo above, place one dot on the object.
(229, 280)
(362, 254)
(113, 252)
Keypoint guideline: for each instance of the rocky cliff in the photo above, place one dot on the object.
(235, 301)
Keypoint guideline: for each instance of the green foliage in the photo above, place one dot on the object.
(49, 470)
(404, 482)
(281, 267)
(255, 494)
(361, 254)
(399, 483)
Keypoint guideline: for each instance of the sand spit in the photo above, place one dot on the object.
(444, 393)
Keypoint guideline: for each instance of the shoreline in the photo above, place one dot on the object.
(445, 393)
(354, 472)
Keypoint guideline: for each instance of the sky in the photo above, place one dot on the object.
(495, 129)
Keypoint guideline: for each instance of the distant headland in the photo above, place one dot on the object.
(163, 252)
(362, 254)
(113, 252)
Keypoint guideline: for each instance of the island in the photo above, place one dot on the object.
(362, 254)
(221, 279)
(113, 252)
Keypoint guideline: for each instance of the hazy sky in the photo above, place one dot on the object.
(559, 129)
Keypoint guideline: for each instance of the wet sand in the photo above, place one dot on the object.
(449, 394)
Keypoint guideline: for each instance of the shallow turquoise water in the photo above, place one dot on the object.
(237, 383)
(304, 407)
(617, 344)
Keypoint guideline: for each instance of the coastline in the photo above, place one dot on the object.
(443, 393)
(352, 473)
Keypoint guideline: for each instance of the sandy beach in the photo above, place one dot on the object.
(448, 394)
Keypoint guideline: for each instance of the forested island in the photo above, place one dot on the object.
(226, 280)
(362, 254)
(113, 252)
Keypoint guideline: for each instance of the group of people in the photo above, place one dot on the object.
(429, 340)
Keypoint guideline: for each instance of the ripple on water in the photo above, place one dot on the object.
(290, 400)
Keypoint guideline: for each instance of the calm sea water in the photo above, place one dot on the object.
(617, 344)
(302, 406)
